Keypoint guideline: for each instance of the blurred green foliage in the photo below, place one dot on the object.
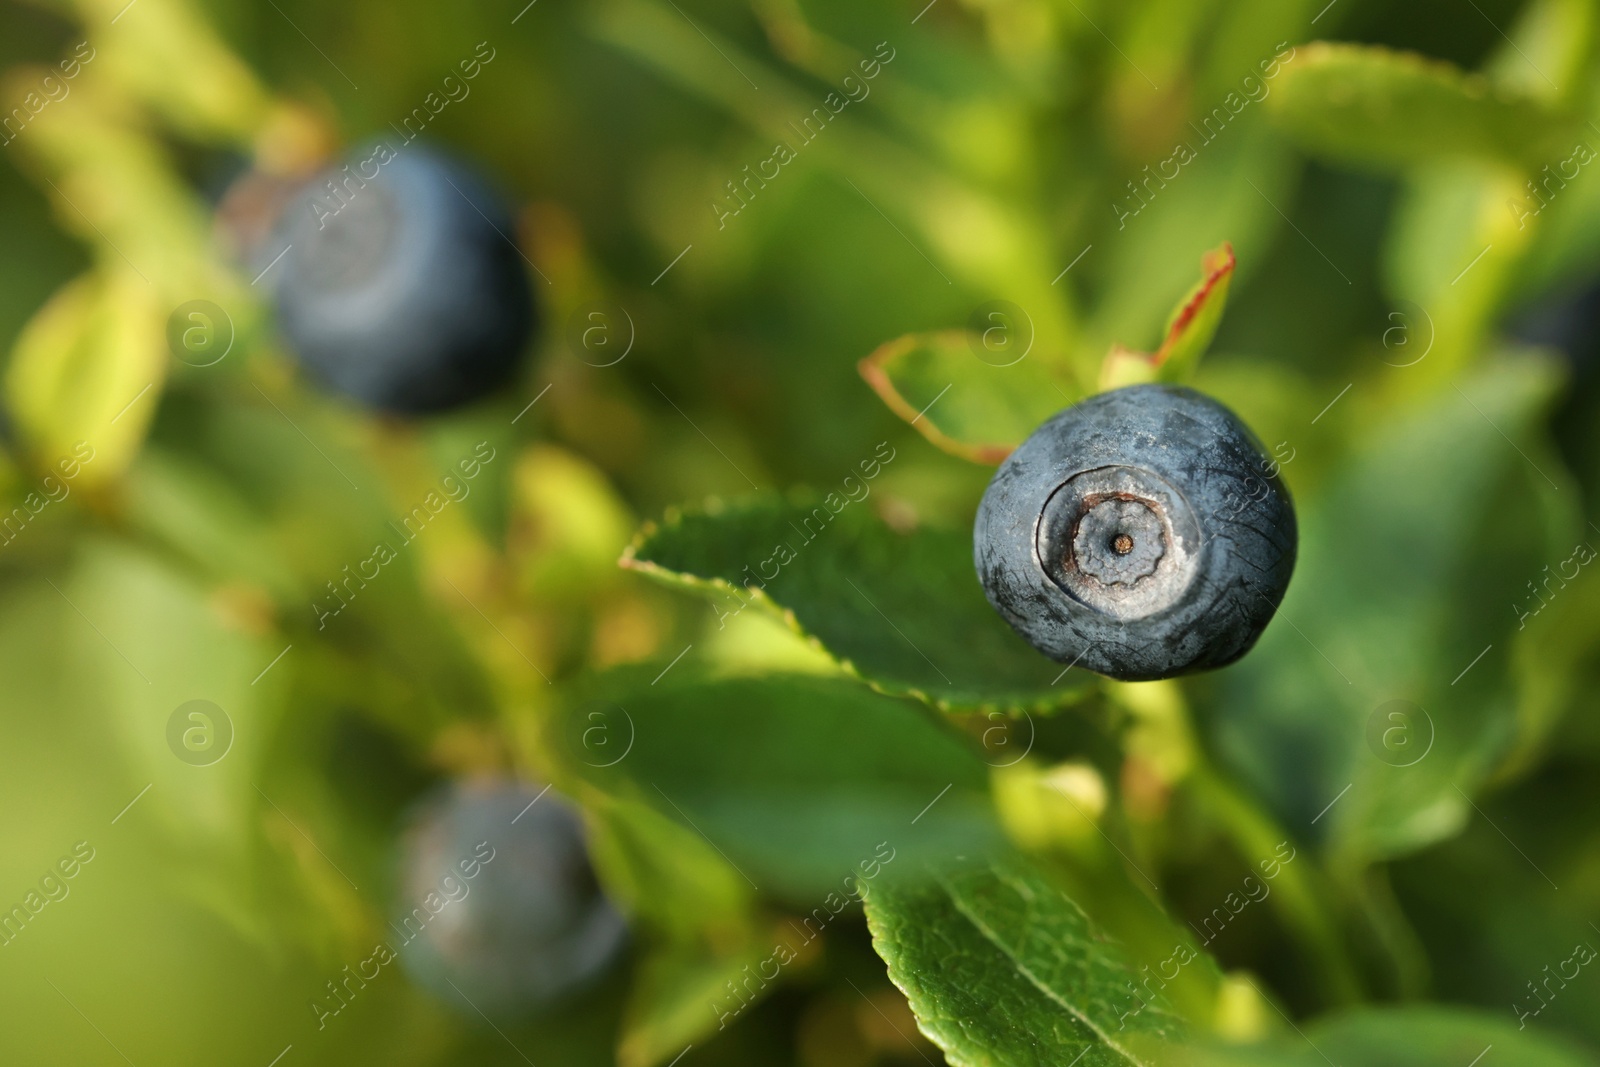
(1055, 170)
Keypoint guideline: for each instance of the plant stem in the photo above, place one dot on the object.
(1301, 892)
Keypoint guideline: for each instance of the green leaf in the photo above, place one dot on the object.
(976, 407)
(87, 372)
(1190, 328)
(1421, 1036)
(663, 874)
(1371, 105)
(567, 526)
(1455, 248)
(132, 641)
(147, 639)
(902, 611)
(187, 505)
(1546, 49)
(116, 186)
(1438, 1037)
(989, 242)
(797, 781)
(1413, 558)
(1550, 46)
(1149, 264)
(1004, 970)
(675, 995)
(222, 99)
(1194, 321)
(1518, 926)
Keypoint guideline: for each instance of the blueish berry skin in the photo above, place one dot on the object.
(404, 291)
(1142, 533)
(1570, 323)
(529, 927)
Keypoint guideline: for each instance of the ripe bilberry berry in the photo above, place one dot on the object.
(496, 878)
(403, 290)
(1142, 533)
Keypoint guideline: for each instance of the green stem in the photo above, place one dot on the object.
(1301, 894)
(1303, 897)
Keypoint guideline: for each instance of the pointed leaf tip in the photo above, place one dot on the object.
(1190, 328)
(1194, 322)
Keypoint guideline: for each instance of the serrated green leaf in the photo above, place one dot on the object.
(902, 611)
(978, 409)
(1004, 970)
(796, 780)
(1372, 105)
